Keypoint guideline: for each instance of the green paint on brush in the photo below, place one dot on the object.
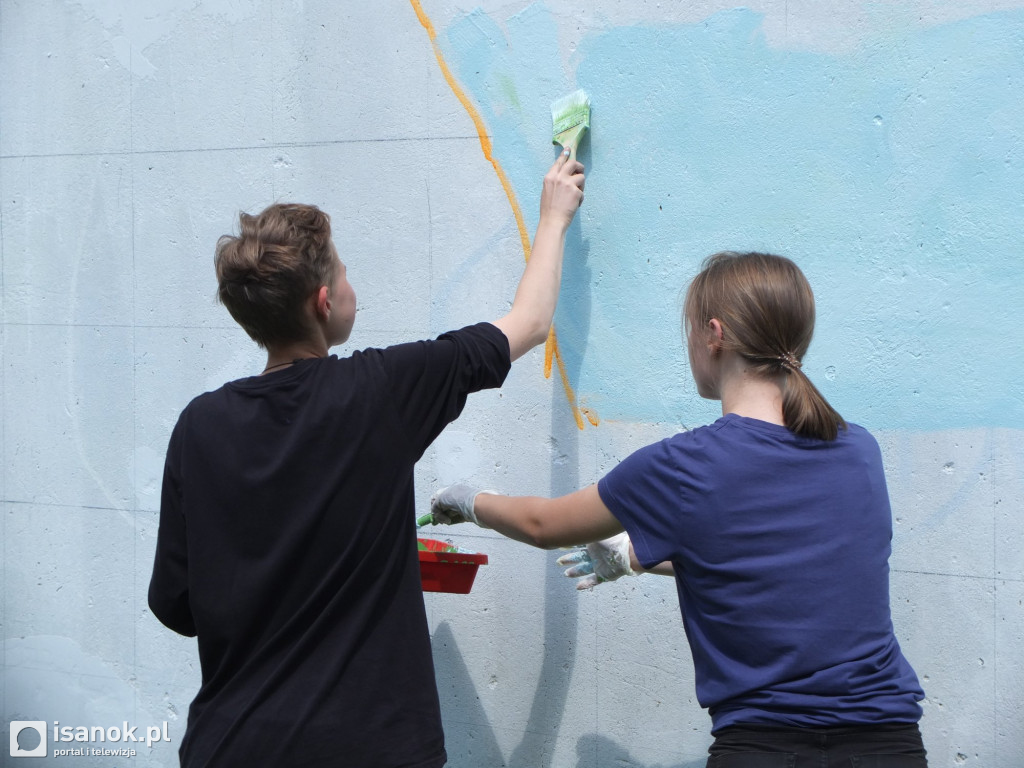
(570, 117)
(427, 519)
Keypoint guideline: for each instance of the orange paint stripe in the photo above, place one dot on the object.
(591, 416)
(551, 347)
(568, 387)
(478, 123)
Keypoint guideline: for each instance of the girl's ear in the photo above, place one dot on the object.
(715, 335)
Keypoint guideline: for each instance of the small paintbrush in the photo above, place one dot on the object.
(570, 116)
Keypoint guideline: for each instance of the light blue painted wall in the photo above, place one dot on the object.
(891, 173)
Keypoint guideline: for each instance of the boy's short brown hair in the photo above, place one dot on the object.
(266, 272)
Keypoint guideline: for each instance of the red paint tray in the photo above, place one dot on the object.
(444, 569)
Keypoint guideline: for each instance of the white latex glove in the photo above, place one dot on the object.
(454, 504)
(601, 561)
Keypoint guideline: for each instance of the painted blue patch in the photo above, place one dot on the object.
(893, 175)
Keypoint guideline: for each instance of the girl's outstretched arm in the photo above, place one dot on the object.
(576, 518)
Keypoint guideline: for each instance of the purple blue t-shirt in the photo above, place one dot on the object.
(780, 545)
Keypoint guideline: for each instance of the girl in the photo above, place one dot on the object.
(775, 522)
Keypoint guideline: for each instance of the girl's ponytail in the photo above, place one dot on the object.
(805, 410)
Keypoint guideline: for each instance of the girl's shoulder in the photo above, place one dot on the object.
(735, 430)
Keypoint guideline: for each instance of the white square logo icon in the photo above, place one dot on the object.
(28, 738)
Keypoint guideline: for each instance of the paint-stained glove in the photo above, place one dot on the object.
(454, 504)
(601, 561)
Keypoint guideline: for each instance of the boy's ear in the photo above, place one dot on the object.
(322, 303)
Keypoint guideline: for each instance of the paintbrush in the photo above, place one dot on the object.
(422, 520)
(570, 116)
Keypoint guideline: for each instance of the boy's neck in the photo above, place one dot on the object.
(283, 355)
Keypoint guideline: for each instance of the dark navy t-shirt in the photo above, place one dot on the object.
(287, 544)
(780, 546)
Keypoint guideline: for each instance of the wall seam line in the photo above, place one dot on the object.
(242, 148)
(135, 410)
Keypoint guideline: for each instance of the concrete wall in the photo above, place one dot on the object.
(877, 143)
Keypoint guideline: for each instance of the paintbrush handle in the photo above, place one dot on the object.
(571, 140)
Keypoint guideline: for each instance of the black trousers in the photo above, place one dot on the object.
(885, 746)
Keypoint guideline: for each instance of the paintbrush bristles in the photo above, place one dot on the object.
(570, 111)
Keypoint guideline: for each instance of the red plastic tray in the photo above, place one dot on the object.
(445, 570)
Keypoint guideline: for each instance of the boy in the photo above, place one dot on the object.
(286, 541)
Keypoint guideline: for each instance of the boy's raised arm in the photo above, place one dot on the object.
(527, 323)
